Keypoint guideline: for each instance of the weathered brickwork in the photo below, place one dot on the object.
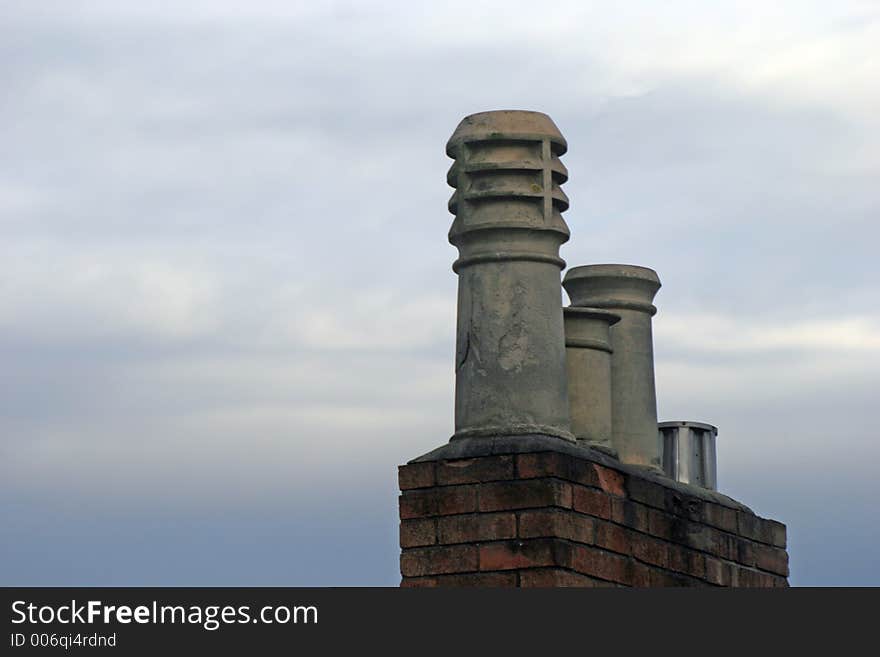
(550, 519)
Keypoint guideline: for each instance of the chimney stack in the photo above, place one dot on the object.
(513, 499)
(510, 347)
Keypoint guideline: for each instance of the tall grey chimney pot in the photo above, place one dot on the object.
(588, 353)
(628, 291)
(510, 348)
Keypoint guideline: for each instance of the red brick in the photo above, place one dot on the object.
(612, 537)
(611, 481)
(438, 560)
(720, 516)
(640, 575)
(708, 539)
(757, 529)
(687, 561)
(646, 492)
(508, 555)
(416, 533)
(438, 501)
(748, 578)
(415, 475)
(470, 471)
(592, 502)
(744, 552)
(554, 464)
(477, 527)
(664, 578)
(558, 577)
(717, 572)
(556, 523)
(631, 514)
(777, 533)
(727, 546)
(601, 564)
(685, 506)
(507, 495)
(661, 524)
(733, 569)
(650, 550)
(465, 580)
(539, 523)
(771, 559)
(747, 525)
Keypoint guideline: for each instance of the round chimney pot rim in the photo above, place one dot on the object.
(588, 312)
(615, 270)
(670, 424)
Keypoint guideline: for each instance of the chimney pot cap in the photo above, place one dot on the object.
(506, 125)
(613, 270)
(615, 287)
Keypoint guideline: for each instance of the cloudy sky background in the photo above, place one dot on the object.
(226, 303)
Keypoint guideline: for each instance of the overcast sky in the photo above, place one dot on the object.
(226, 302)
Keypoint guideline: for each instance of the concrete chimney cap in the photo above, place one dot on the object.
(613, 270)
(506, 125)
(612, 286)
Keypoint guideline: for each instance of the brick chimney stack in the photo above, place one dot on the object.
(536, 488)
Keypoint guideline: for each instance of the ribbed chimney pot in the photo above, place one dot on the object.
(510, 349)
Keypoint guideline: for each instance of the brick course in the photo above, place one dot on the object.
(549, 519)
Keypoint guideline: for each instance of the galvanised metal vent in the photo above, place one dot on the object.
(689, 452)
